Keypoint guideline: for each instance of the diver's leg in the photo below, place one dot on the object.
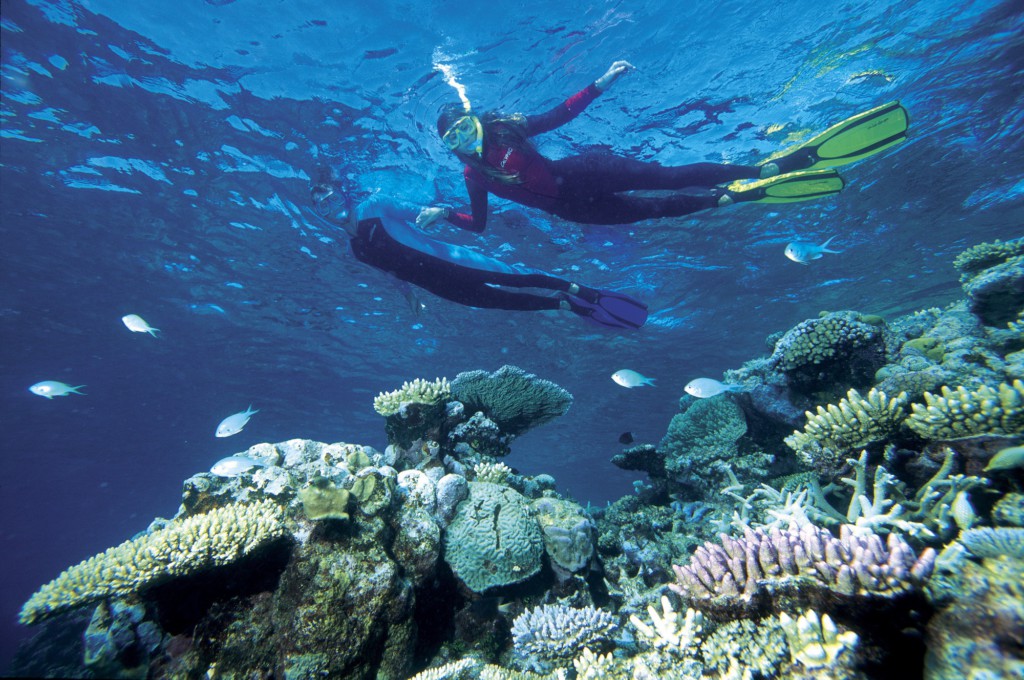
(607, 173)
(619, 209)
(495, 298)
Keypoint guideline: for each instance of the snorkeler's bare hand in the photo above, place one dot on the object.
(617, 69)
(428, 216)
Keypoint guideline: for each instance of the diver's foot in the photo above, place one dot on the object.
(800, 159)
(725, 199)
(769, 170)
(574, 289)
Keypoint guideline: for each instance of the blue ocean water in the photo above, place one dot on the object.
(156, 160)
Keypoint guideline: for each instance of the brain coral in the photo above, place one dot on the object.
(493, 539)
(514, 399)
(200, 542)
(963, 413)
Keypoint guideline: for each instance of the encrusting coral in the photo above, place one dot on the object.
(216, 538)
(418, 391)
(966, 413)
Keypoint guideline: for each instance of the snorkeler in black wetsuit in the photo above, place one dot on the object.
(382, 237)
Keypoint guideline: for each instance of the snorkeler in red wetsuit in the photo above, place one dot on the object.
(592, 188)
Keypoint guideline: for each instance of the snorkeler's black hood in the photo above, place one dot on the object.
(448, 114)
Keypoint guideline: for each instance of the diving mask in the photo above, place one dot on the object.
(328, 202)
(465, 132)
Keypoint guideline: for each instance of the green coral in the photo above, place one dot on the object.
(456, 670)
(993, 543)
(966, 413)
(512, 398)
(1009, 511)
(855, 422)
(418, 391)
(323, 500)
(815, 341)
(929, 346)
(493, 539)
(216, 538)
(700, 437)
(372, 491)
(978, 258)
(760, 644)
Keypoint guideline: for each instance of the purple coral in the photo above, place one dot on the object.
(858, 562)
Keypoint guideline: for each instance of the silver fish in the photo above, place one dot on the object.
(233, 424)
(803, 252)
(54, 388)
(703, 388)
(232, 466)
(630, 378)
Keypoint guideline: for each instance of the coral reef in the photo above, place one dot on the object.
(493, 539)
(194, 544)
(992, 276)
(514, 399)
(568, 533)
(816, 643)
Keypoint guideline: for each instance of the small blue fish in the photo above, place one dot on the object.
(54, 388)
(703, 388)
(136, 324)
(232, 466)
(803, 252)
(233, 424)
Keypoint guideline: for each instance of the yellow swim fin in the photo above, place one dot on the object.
(804, 185)
(855, 138)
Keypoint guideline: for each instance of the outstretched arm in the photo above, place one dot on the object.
(574, 105)
(476, 220)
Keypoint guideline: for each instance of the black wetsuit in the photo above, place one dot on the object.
(450, 271)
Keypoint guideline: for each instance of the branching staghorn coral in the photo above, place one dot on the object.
(550, 636)
(449, 671)
(418, 391)
(200, 542)
(671, 631)
(856, 563)
(968, 413)
(853, 423)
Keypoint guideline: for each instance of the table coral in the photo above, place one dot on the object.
(516, 400)
(184, 547)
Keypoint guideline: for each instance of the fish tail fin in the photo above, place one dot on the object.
(825, 249)
(250, 411)
(650, 381)
(153, 332)
(76, 388)
(829, 250)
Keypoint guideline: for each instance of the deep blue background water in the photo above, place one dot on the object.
(156, 157)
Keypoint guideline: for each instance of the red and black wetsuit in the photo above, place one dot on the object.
(582, 188)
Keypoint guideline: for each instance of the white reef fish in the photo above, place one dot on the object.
(702, 388)
(54, 388)
(233, 424)
(630, 378)
(803, 252)
(232, 466)
(136, 324)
